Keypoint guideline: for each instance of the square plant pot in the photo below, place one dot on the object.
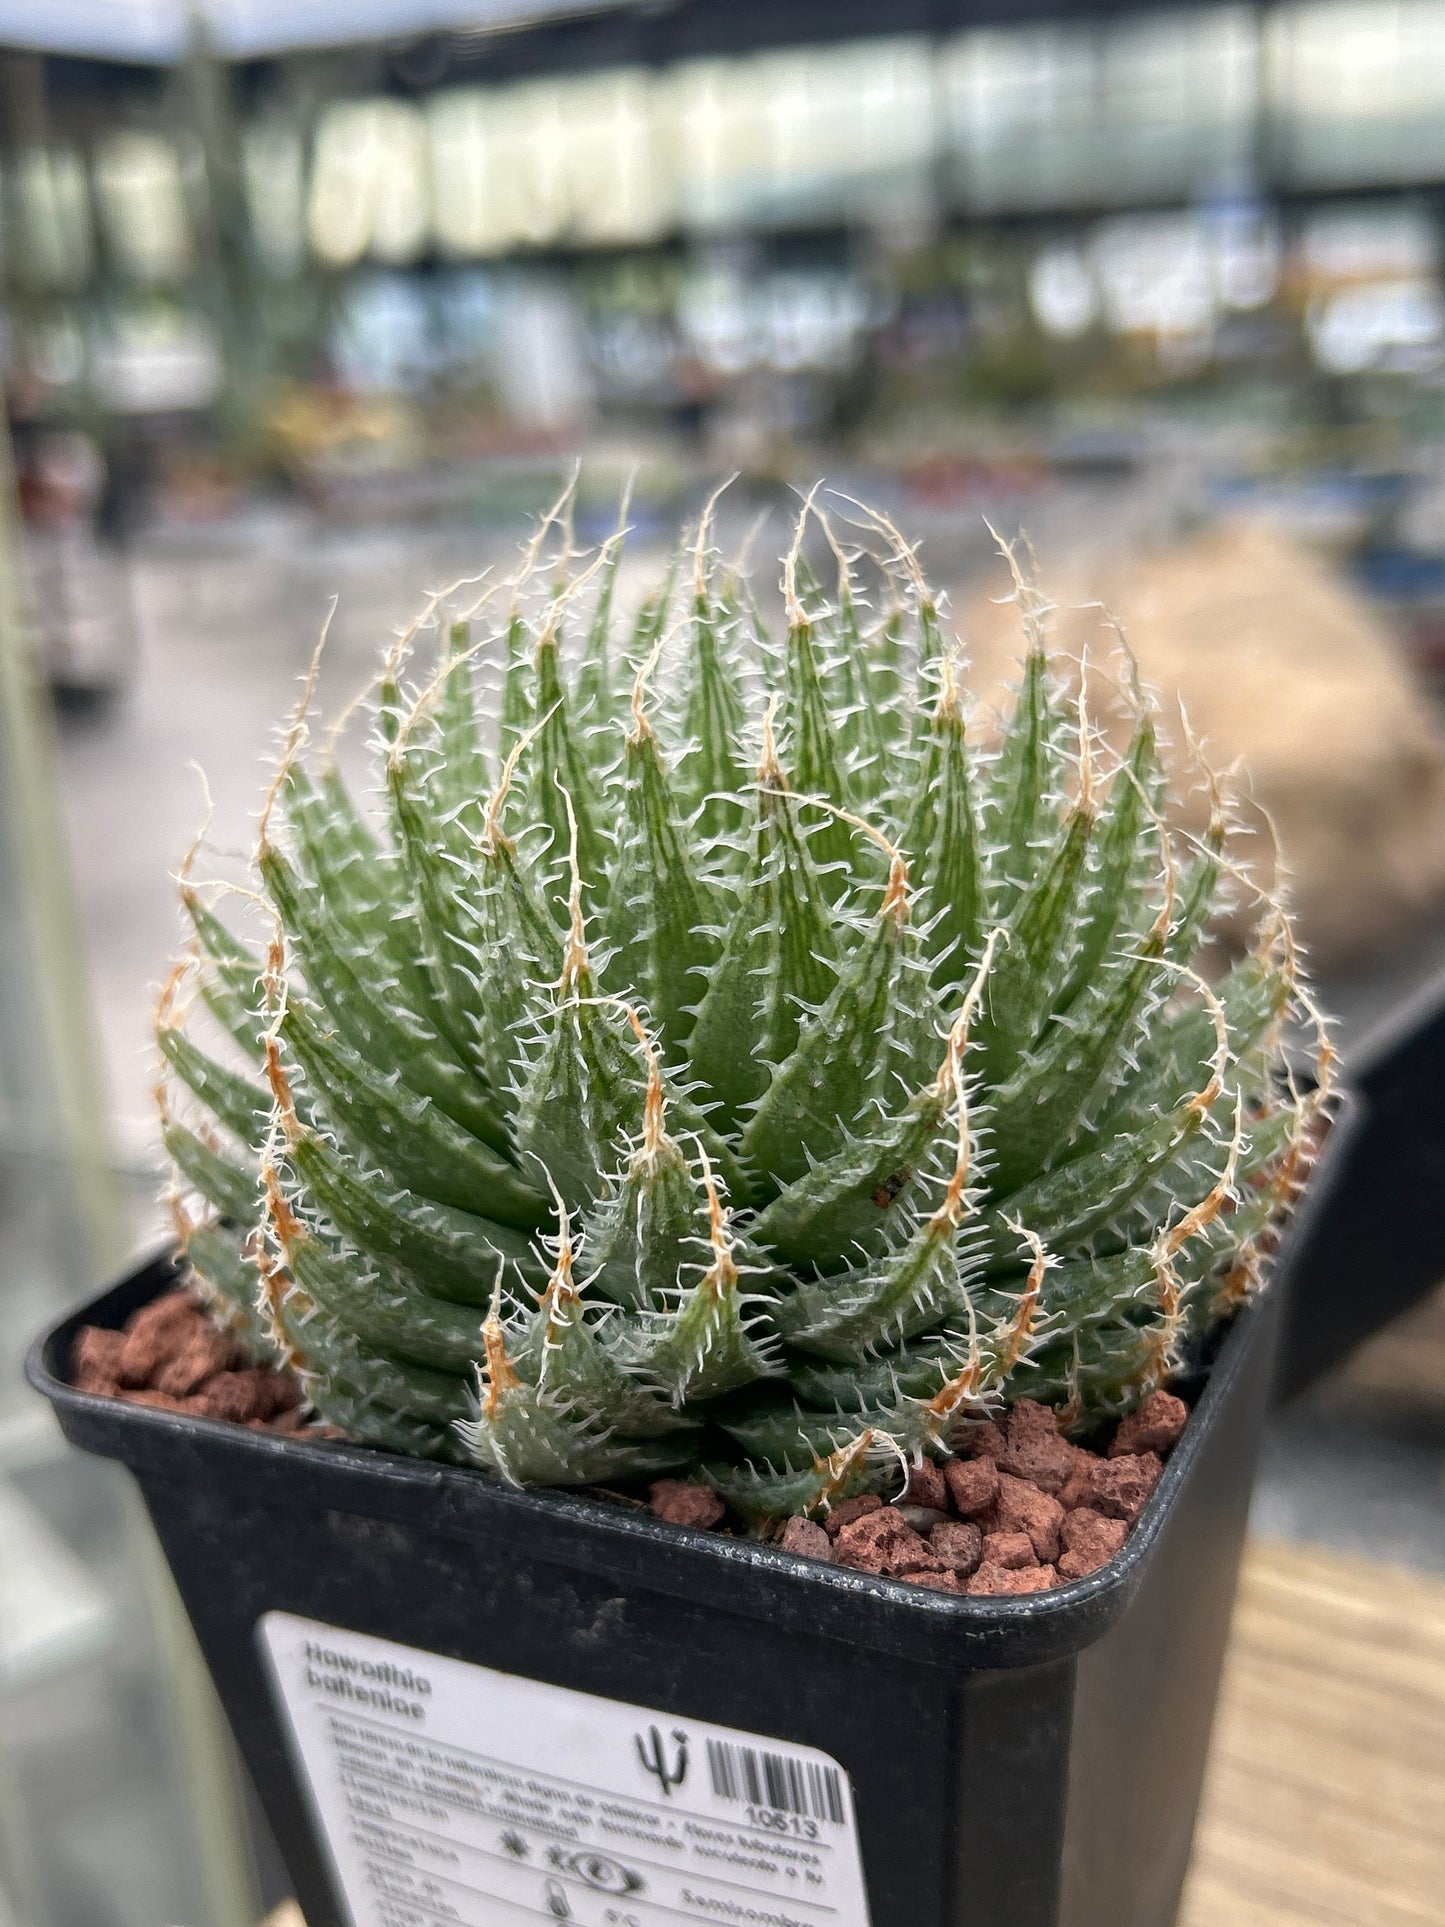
(1374, 1250)
(466, 1703)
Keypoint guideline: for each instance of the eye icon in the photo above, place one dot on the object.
(600, 1872)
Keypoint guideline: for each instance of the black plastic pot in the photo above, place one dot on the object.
(1376, 1246)
(1020, 1762)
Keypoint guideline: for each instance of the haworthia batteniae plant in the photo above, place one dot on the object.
(714, 1054)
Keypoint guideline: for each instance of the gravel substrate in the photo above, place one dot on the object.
(1020, 1509)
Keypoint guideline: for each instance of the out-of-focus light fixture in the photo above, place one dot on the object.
(1380, 325)
(1062, 293)
(143, 206)
(370, 184)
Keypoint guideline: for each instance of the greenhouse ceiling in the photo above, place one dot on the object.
(157, 32)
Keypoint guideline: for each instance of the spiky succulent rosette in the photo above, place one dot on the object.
(730, 1061)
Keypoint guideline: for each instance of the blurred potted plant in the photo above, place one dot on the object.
(700, 1214)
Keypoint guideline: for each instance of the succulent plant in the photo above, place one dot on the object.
(734, 1062)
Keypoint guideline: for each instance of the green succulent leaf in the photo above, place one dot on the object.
(778, 961)
(822, 1090)
(228, 1186)
(712, 772)
(404, 1134)
(662, 916)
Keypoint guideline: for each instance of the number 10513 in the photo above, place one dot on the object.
(775, 1820)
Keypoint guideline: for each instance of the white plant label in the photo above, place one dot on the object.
(449, 1793)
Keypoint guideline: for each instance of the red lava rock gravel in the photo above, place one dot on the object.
(252, 1393)
(203, 1356)
(96, 1359)
(851, 1509)
(1090, 1541)
(972, 1485)
(172, 1357)
(1121, 1486)
(156, 1335)
(682, 1503)
(882, 1542)
(1020, 1509)
(941, 1581)
(1034, 1450)
(1157, 1426)
(998, 1580)
(988, 1441)
(806, 1538)
(959, 1545)
(1012, 1550)
(1078, 1488)
(926, 1487)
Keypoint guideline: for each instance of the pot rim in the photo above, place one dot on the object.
(567, 1528)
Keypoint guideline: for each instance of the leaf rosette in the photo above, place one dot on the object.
(716, 1054)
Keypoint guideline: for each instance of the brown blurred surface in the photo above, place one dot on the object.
(1325, 1801)
(1286, 670)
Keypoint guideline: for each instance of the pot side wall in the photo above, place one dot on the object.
(1029, 1763)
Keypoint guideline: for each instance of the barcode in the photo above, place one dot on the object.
(775, 1780)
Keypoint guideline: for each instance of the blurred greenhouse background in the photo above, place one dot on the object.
(317, 298)
(234, 261)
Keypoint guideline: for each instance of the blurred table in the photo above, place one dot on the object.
(1325, 1802)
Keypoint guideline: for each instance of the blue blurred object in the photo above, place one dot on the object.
(1372, 491)
(1339, 506)
(1398, 574)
